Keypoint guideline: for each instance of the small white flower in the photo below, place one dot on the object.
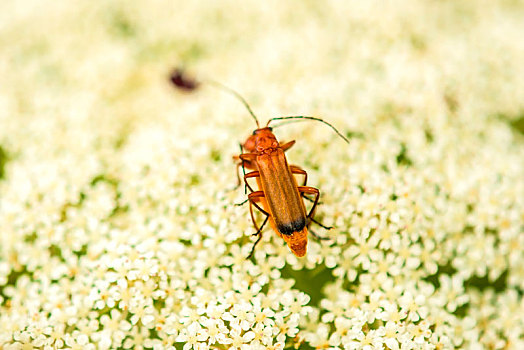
(192, 336)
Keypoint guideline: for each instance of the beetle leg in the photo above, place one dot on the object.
(252, 201)
(316, 192)
(310, 190)
(244, 164)
(320, 238)
(241, 203)
(253, 198)
(248, 156)
(287, 145)
(247, 164)
(245, 160)
(248, 175)
(298, 170)
(319, 224)
(308, 199)
(258, 239)
(240, 163)
(243, 169)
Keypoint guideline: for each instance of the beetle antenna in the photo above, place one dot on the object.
(236, 94)
(306, 117)
(179, 78)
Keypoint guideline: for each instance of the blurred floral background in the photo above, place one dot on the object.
(118, 228)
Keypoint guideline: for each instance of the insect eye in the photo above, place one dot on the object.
(254, 132)
(270, 128)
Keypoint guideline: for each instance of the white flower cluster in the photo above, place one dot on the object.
(118, 223)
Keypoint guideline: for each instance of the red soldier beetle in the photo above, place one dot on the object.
(278, 192)
(280, 196)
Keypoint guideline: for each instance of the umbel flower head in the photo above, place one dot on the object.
(118, 223)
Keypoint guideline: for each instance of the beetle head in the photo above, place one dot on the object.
(263, 139)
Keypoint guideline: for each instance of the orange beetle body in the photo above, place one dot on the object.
(279, 194)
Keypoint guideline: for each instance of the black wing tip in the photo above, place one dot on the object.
(291, 227)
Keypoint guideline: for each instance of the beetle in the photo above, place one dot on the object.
(281, 198)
